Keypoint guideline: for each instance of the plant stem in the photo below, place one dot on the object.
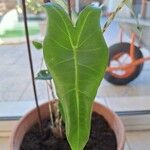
(69, 8)
(56, 125)
(60, 128)
(51, 115)
(31, 65)
(112, 16)
(52, 89)
(58, 121)
(50, 106)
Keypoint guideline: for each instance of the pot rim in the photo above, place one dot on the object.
(121, 129)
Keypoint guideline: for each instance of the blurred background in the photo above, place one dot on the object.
(129, 99)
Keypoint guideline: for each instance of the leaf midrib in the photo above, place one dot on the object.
(76, 84)
(76, 72)
(75, 48)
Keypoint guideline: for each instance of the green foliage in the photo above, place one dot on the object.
(76, 55)
(37, 44)
(43, 75)
(34, 6)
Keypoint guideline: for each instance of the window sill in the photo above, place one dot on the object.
(11, 112)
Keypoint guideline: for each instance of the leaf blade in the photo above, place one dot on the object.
(71, 77)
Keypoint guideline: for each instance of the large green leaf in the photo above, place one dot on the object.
(76, 55)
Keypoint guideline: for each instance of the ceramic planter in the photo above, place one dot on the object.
(31, 118)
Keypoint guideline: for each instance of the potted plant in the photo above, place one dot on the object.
(76, 55)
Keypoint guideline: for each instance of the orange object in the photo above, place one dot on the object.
(132, 47)
(134, 63)
(129, 68)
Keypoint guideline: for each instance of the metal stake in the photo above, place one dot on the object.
(31, 65)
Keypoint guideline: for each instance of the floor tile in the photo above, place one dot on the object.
(129, 103)
(4, 144)
(138, 87)
(139, 140)
(101, 100)
(126, 147)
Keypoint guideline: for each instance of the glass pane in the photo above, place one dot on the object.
(15, 75)
(133, 96)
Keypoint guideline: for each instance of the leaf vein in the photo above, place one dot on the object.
(87, 38)
(68, 92)
(90, 50)
(88, 68)
(59, 44)
(64, 61)
(65, 25)
(82, 27)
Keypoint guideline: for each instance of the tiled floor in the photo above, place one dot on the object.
(4, 144)
(139, 140)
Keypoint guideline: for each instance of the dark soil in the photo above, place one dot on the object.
(101, 138)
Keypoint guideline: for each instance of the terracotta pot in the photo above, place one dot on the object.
(31, 118)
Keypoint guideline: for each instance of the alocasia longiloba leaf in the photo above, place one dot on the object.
(76, 56)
